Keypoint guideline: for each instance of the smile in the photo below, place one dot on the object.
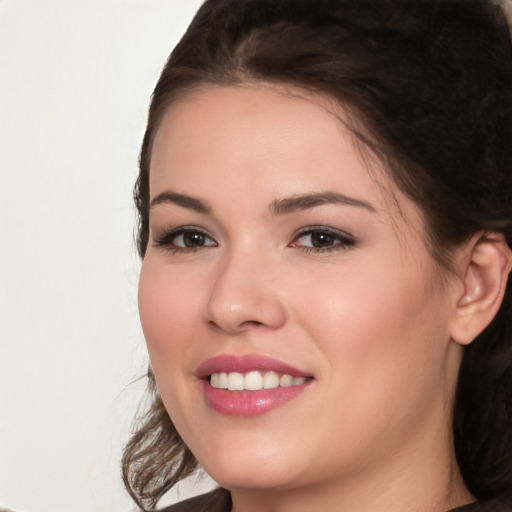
(250, 385)
(253, 380)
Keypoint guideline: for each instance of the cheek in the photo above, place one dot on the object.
(383, 337)
(166, 308)
(169, 316)
(381, 323)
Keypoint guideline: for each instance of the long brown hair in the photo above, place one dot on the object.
(431, 82)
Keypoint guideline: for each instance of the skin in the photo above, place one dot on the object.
(371, 320)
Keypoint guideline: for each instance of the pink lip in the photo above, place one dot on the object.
(248, 403)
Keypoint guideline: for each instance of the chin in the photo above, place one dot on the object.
(249, 477)
(252, 466)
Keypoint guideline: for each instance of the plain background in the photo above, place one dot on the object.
(76, 77)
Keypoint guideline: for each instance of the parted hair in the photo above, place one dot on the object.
(430, 82)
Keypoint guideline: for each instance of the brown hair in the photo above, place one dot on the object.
(431, 81)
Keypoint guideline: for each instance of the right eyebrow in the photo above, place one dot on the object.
(182, 200)
(307, 201)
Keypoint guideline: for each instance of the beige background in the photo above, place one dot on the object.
(76, 76)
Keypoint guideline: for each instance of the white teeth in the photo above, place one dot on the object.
(214, 380)
(270, 381)
(223, 380)
(253, 381)
(286, 381)
(235, 381)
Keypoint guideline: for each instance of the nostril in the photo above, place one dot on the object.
(245, 323)
(213, 324)
(241, 326)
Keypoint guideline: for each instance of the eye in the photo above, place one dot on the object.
(191, 239)
(322, 239)
(185, 239)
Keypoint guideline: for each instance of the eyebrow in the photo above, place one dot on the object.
(278, 207)
(307, 201)
(181, 200)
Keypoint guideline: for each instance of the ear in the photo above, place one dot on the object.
(484, 264)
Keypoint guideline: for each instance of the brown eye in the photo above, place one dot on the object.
(191, 239)
(323, 239)
(184, 239)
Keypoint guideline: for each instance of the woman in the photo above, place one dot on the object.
(325, 224)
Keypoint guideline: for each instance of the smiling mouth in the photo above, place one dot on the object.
(254, 380)
(250, 384)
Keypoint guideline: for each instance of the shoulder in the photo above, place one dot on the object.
(485, 506)
(218, 500)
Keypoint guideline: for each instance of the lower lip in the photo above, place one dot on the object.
(250, 403)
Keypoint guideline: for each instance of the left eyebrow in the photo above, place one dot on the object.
(182, 200)
(307, 201)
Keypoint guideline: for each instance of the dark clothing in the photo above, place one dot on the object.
(484, 506)
(220, 501)
(215, 501)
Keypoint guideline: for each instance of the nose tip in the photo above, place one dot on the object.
(241, 302)
(253, 313)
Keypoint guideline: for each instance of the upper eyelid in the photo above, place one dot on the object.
(326, 229)
(168, 234)
(300, 231)
(181, 229)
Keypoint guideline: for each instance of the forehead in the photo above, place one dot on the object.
(266, 137)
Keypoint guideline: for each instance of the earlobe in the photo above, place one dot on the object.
(485, 269)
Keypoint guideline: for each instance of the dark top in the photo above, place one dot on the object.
(220, 501)
(484, 506)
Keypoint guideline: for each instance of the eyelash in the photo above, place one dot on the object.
(167, 240)
(341, 240)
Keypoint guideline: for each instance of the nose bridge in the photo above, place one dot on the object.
(243, 292)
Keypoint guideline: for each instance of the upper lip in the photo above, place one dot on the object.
(246, 363)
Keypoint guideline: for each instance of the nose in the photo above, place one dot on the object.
(244, 295)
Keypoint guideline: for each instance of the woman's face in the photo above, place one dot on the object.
(277, 258)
